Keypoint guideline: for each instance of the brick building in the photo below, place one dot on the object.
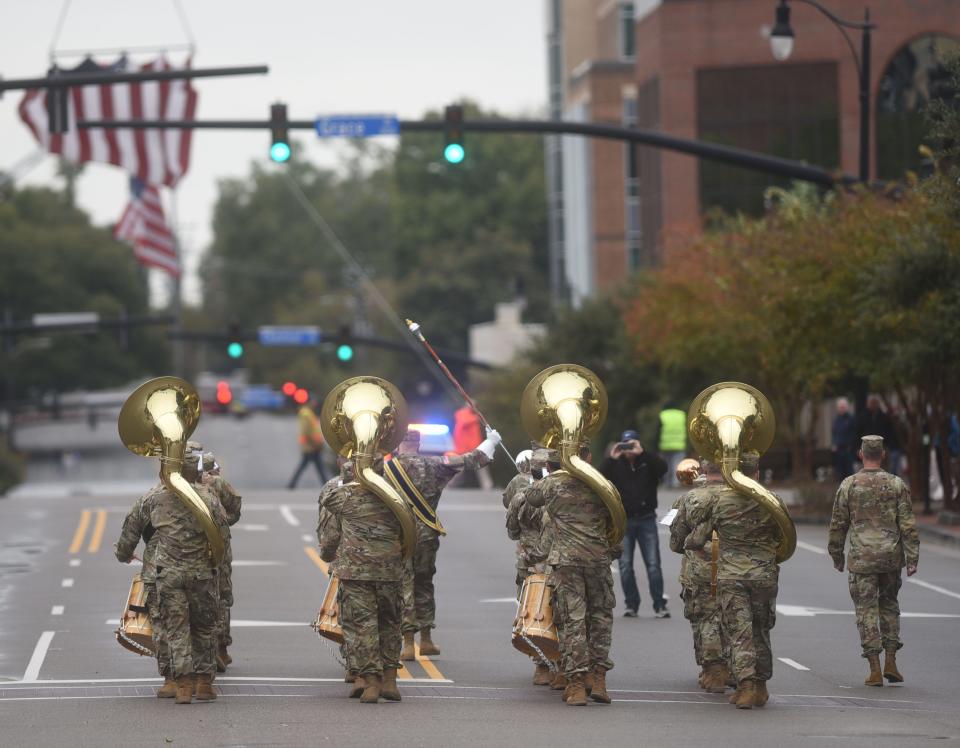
(703, 69)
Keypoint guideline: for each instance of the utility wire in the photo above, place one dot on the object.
(185, 25)
(64, 8)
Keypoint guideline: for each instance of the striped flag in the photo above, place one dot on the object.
(156, 157)
(144, 227)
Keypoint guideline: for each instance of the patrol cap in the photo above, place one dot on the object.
(194, 446)
(749, 462)
(871, 445)
(411, 437)
(542, 455)
(209, 461)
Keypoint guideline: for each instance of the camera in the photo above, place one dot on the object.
(624, 445)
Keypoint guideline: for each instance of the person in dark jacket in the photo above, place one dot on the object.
(843, 440)
(876, 421)
(636, 472)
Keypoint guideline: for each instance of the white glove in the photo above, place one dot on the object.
(489, 445)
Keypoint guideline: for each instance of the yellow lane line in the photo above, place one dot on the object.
(403, 673)
(427, 665)
(315, 557)
(81, 532)
(97, 537)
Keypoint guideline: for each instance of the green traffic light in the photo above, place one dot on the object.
(280, 151)
(454, 153)
(235, 350)
(344, 352)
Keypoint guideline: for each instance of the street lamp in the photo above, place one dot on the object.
(781, 44)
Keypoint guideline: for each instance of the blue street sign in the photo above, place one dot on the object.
(303, 335)
(357, 126)
(262, 397)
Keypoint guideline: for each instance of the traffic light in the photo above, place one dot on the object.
(453, 150)
(234, 341)
(344, 345)
(279, 137)
(224, 394)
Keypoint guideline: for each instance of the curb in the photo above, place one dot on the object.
(930, 533)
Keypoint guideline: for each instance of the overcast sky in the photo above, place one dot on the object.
(400, 56)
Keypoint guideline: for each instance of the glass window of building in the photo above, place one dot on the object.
(627, 32)
(631, 181)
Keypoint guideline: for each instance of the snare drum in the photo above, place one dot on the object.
(136, 632)
(327, 624)
(534, 622)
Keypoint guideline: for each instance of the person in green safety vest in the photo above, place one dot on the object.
(672, 439)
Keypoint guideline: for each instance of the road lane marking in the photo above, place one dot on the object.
(251, 527)
(56, 610)
(81, 531)
(36, 661)
(499, 600)
(933, 587)
(306, 537)
(811, 547)
(220, 679)
(805, 611)
(68, 582)
(315, 557)
(287, 513)
(239, 623)
(403, 673)
(427, 665)
(792, 663)
(243, 562)
(96, 538)
(74, 561)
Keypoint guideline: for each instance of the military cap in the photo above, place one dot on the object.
(871, 445)
(411, 437)
(209, 461)
(194, 446)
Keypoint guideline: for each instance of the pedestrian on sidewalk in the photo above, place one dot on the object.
(311, 443)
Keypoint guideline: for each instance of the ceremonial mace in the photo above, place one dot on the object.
(418, 334)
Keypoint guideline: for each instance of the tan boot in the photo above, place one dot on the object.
(559, 682)
(224, 655)
(747, 694)
(349, 677)
(760, 695)
(715, 678)
(168, 690)
(221, 665)
(184, 689)
(359, 683)
(205, 690)
(700, 678)
(389, 689)
(576, 693)
(408, 653)
(541, 675)
(588, 681)
(876, 677)
(371, 694)
(890, 671)
(427, 647)
(599, 692)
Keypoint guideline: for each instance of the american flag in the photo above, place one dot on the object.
(144, 227)
(156, 157)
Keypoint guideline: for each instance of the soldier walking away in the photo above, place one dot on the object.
(311, 443)
(672, 439)
(186, 581)
(360, 532)
(747, 576)
(875, 509)
(421, 479)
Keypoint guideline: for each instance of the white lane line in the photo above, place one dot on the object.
(243, 562)
(74, 561)
(287, 513)
(68, 582)
(792, 663)
(39, 654)
(220, 679)
(242, 623)
(933, 587)
(306, 537)
(251, 527)
(56, 610)
(811, 547)
(499, 600)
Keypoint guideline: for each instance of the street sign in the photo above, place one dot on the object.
(304, 335)
(261, 397)
(357, 125)
(65, 318)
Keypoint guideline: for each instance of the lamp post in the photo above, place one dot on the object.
(781, 44)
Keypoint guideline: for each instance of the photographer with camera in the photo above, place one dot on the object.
(636, 472)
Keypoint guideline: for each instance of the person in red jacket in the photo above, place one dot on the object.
(468, 432)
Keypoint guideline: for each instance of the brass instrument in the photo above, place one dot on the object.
(364, 418)
(157, 420)
(688, 470)
(726, 420)
(561, 408)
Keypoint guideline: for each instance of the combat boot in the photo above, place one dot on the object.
(349, 677)
(715, 678)
(876, 677)
(389, 689)
(588, 681)
(541, 675)
(168, 690)
(599, 692)
(747, 694)
(760, 696)
(700, 678)
(371, 694)
(221, 664)
(359, 683)
(559, 682)
(408, 653)
(427, 647)
(184, 689)
(224, 655)
(205, 690)
(890, 671)
(576, 694)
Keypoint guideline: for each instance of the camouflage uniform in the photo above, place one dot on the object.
(524, 524)
(875, 508)
(699, 600)
(579, 559)
(747, 575)
(230, 500)
(186, 583)
(430, 475)
(362, 533)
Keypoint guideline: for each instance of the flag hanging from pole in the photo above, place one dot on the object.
(144, 226)
(156, 157)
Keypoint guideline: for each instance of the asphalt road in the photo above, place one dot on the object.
(65, 681)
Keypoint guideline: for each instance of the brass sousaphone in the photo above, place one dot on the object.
(561, 408)
(364, 418)
(727, 420)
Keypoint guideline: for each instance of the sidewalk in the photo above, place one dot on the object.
(930, 529)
